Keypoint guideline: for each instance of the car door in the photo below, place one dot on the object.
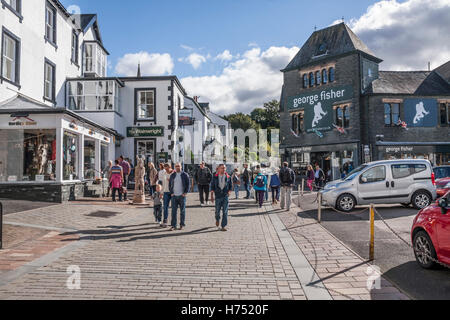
(401, 182)
(442, 225)
(373, 186)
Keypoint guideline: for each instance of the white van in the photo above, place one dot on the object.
(383, 182)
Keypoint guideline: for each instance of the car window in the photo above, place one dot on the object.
(354, 173)
(442, 172)
(400, 171)
(418, 168)
(375, 174)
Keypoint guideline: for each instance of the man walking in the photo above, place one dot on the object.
(319, 177)
(246, 175)
(287, 178)
(203, 177)
(179, 188)
(165, 179)
(221, 187)
(126, 173)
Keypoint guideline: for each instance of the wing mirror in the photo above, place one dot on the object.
(443, 203)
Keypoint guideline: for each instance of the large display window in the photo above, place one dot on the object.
(27, 155)
(70, 156)
(89, 159)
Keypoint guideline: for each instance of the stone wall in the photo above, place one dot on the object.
(49, 192)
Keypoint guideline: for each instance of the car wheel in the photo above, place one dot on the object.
(346, 203)
(421, 200)
(424, 250)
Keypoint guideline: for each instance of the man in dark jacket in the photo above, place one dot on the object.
(203, 177)
(179, 188)
(287, 178)
(221, 187)
(246, 178)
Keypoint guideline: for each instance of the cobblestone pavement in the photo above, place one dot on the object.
(122, 254)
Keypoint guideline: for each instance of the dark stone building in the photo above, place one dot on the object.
(337, 108)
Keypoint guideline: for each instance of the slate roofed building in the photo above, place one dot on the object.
(339, 110)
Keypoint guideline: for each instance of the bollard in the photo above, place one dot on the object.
(303, 186)
(1, 226)
(372, 233)
(319, 211)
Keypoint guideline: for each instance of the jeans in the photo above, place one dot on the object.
(157, 211)
(204, 193)
(178, 201)
(247, 189)
(125, 185)
(222, 205)
(114, 194)
(286, 193)
(166, 199)
(260, 197)
(236, 190)
(152, 190)
(275, 193)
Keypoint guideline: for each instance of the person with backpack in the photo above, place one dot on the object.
(275, 184)
(236, 179)
(260, 186)
(287, 178)
(203, 178)
(116, 180)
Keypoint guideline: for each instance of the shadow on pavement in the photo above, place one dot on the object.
(171, 234)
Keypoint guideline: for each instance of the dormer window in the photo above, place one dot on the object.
(94, 60)
(322, 49)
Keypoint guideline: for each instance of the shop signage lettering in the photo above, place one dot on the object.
(421, 112)
(185, 117)
(399, 149)
(22, 121)
(302, 150)
(318, 106)
(135, 132)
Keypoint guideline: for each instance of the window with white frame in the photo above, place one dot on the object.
(14, 5)
(50, 23)
(74, 50)
(49, 81)
(10, 57)
(94, 59)
(93, 95)
(146, 105)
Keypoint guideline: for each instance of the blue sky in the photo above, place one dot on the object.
(211, 26)
(230, 52)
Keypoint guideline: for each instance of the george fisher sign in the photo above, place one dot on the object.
(137, 132)
(318, 106)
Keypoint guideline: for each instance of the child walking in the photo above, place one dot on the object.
(157, 204)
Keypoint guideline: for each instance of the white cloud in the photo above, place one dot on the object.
(195, 60)
(406, 35)
(187, 48)
(246, 83)
(152, 64)
(224, 56)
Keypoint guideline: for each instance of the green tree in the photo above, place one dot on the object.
(241, 121)
(268, 116)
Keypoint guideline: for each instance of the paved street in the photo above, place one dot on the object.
(122, 254)
(395, 259)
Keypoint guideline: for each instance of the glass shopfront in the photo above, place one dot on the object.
(27, 155)
(89, 159)
(70, 156)
(439, 155)
(103, 156)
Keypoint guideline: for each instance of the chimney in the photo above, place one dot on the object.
(139, 71)
(196, 98)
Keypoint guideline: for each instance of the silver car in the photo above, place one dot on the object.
(383, 182)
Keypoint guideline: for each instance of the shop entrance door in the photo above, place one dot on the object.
(145, 149)
(323, 159)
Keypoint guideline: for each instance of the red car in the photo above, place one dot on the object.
(442, 187)
(431, 234)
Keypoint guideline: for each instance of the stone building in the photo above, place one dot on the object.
(338, 108)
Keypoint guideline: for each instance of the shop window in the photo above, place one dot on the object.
(444, 111)
(70, 156)
(376, 174)
(103, 156)
(324, 76)
(27, 155)
(311, 79)
(89, 159)
(331, 75)
(391, 114)
(305, 81)
(10, 57)
(343, 116)
(145, 105)
(318, 78)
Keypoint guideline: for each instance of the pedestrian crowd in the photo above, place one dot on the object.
(168, 188)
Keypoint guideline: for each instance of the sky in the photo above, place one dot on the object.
(230, 52)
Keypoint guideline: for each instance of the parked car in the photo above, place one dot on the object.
(442, 186)
(383, 182)
(441, 172)
(430, 234)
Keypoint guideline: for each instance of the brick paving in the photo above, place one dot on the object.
(124, 255)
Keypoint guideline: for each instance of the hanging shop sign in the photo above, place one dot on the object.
(185, 117)
(21, 120)
(318, 106)
(421, 112)
(137, 132)
(163, 157)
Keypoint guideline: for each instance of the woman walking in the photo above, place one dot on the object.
(116, 181)
(260, 186)
(152, 177)
(310, 177)
(107, 175)
(275, 184)
(236, 179)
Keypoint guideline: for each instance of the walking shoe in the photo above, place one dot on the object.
(172, 229)
(224, 229)
(217, 224)
(181, 228)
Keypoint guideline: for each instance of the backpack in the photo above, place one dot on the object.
(260, 182)
(286, 177)
(235, 179)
